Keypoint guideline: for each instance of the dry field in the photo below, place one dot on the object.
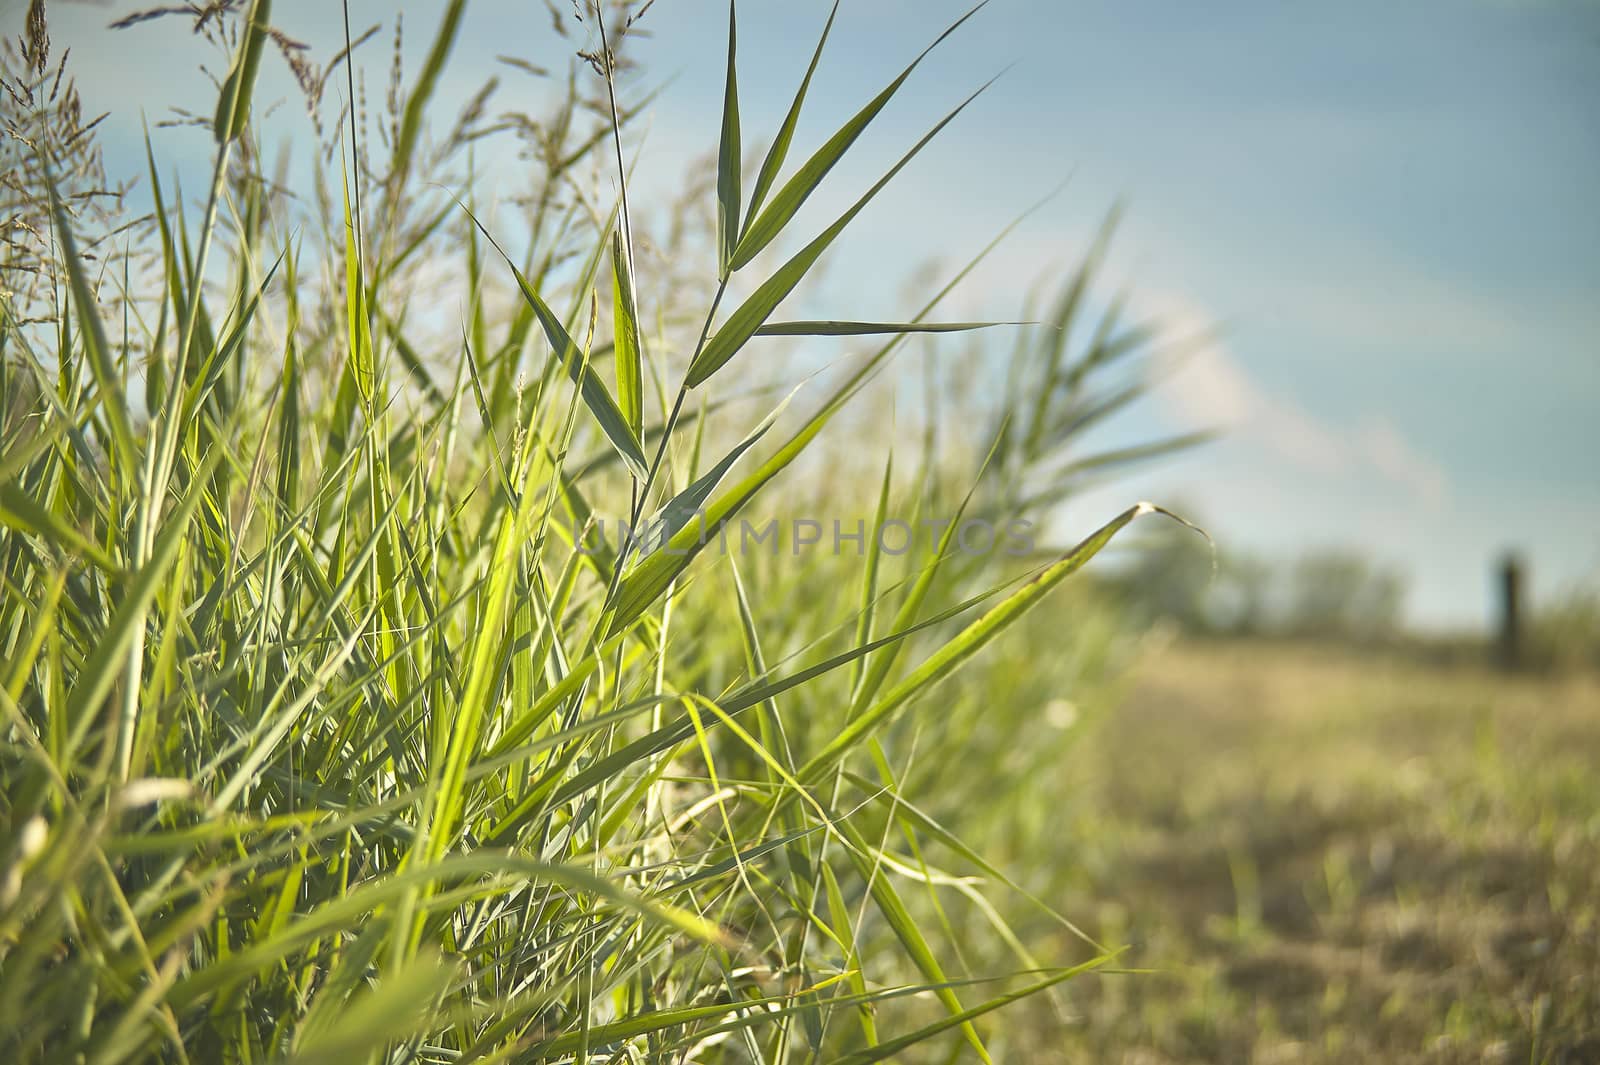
(1330, 855)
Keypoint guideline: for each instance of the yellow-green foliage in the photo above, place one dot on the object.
(319, 741)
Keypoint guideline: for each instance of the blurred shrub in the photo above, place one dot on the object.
(1566, 633)
(1336, 594)
(1343, 594)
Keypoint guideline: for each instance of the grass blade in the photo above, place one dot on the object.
(233, 105)
(728, 156)
(21, 511)
(753, 313)
(889, 1048)
(106, 378)
(99, 671)
(489, 870)
(904, 925)
(857, 329)
(773, 163)
(402, 1003)
(766, 227)
(595, 395)
(658, 530)
(973, 638)
(627, 349)
(417, 102)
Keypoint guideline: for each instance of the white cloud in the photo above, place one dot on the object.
(1388, 452)
(1204, 386)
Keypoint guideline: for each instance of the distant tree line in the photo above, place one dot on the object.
(1337, 594)
(1322, 594)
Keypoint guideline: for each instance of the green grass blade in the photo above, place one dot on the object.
(728, 156)
(889, 1048)
(358, 327)
(773, 163)
(760, 690)
(659, 529)
(21, 511)
(402, 1003)
(627, 349)
(972, 639)
(873, 676)
(867, 609)
(417, 102)
(576, 362)
(906, 930)
(856, 329)
(100, 670)
(647, 585)
(754, 312)
(233, 105)
(93, 337)
(490, 871)
(1138, 453)
(763, 229)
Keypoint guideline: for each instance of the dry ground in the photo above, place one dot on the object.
(1330, 855)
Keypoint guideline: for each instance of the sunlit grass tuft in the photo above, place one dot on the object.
(322, 739)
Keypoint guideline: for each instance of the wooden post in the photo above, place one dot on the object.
(1512, 579)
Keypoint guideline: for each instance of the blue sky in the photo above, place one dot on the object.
(1389, 208)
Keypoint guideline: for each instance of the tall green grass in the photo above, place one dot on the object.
(321, 739)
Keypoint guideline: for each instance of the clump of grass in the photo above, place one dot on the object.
(322, 738)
